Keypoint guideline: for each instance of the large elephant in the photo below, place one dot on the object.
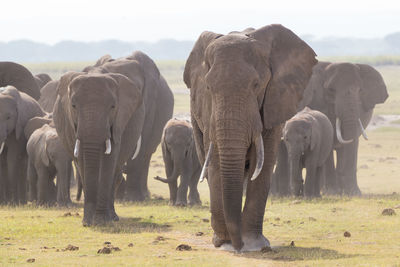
(243, 87)
(180, 159)
(308, 137)
(47, 158)
(158, 102)
(347, 94)
(20, 77)
(16, 109)
(99, 118)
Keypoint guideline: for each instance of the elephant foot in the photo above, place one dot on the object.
(254, 242)
(101, 219)
(195, 202)
(218, 242)
(180, 203)
(354, 192)
(136, 196)
(113, 215)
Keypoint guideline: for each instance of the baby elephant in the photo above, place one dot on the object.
(180, 159)
(309, 139)
(47, 158)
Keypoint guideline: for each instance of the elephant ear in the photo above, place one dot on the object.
(129, 95)
(166, 156)
(373, 88)
(65, 80)
(291, 61)
(194, 68)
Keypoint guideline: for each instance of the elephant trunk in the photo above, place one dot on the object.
(91, 170)
(295, 179)
(232, 148)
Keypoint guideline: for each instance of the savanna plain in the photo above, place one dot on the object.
(331, 231)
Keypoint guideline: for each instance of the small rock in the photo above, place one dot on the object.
(67, 214)
(130, 245)
(301, 222)
(30, 260)
(115, 248)
(7, 238)
(160, 238)
(312, 219)
(71, 248)
(77, 214)
(105, 250)
(205, 220)
(183, 247)
(277, 219)
(292, 244)
(388, 212)
(346, 234)
(107, 243)
(266, 249)
(22, 248)
(199, 233)
(364, 166)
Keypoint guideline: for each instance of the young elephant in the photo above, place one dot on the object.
(180, 159)
(309, 138)
(47, 158)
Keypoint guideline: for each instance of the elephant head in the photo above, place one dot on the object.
(20, 77)
(242, 85)
(346, 93)
(42, 79)
(91, 113)
(14, 113)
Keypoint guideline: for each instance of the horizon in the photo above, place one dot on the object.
(50, 22)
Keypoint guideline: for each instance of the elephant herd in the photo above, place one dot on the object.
(245, 90)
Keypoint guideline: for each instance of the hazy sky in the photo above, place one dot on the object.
(51, 21)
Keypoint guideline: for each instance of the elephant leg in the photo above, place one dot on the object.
(330, 183)
(44, 187)
(22, 184)
(347, 168)
(194, 196)
(221, 234)
(318, 178)
(3, 178)
(52, 192)
(15, 170)
(257, 194)
(173, 191)
(113, 215)
(32, 179)
(183, 186)
(136, 180)
(64, 171)
(121, 186)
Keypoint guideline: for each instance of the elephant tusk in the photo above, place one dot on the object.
(339, 133)
(260, 157)
(108, 147)
(2, 147)
(203, 171)
(76, 149)
(364, 134)
(138, 145)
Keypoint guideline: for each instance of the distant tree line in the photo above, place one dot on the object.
(169, 49)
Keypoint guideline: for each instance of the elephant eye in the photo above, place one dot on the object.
(73, 105)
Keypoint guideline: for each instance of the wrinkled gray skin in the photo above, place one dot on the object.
(180, 159)
(309, 138)
(94, 111)
(20, 77)
(42, 79)
(158, 102)
(243, 87)
(16, 109)
(347, 92)
(47, 158)
(48, 96)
